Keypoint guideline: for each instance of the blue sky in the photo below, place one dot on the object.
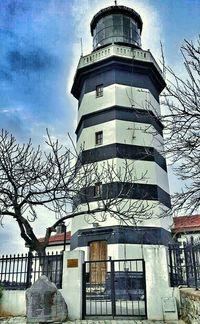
(39, 51)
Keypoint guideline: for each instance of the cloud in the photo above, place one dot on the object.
(33, 61)
(10, 239)
(5, 75)
(10, 110)
(16, 6)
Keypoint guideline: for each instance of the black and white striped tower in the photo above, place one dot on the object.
(117, 87)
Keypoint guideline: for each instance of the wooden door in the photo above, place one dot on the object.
(98, 252)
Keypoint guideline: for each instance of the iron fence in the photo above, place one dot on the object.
(184, 263)
(18, 272)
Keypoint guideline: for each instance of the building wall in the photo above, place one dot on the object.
(124, 132)
(146, 172)
(155, 210)
(121, 95)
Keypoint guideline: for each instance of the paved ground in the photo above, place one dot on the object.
(22, 320)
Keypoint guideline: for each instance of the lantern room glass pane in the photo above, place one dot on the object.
(116, 28)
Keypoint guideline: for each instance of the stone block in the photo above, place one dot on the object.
(44, 303)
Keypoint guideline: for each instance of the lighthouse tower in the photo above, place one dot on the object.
(117, 87)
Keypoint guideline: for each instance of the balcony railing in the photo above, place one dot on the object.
(121, 51)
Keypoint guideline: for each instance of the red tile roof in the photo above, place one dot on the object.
(58, 237)
(186, 223)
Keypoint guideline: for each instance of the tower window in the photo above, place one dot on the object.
(99, 90)
(98, 189)
(99, 138)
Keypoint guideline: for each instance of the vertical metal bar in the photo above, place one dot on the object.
(125, 274)
(113, 288)
(90, 284)
(84, 291)
(61, 270)
(95, 284)
(7, 264)
(65, 228)
(13, 269)
(36, 260)
(9, 268)
(120, 302)
(194, 263)
(17, 269)
(197, 260)
(4, 267)
(28, 277)
(22, 280)
(131, 269)
(175, 266)
(186, 264)
(144, 286)
(1, 271)
(171, 266)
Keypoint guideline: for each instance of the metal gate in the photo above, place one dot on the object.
(119, 292)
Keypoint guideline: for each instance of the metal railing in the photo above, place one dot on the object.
(184, 264)
(18, 272)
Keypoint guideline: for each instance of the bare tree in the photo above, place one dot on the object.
(59, 181)
(181, 102)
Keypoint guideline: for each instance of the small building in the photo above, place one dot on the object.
(186, 226)
(59, 241)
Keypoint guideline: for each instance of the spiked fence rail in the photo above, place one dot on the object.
(19, 272)
(184, 263)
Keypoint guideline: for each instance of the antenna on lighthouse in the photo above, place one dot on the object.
(81, 47)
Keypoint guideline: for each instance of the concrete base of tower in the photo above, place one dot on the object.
(126, 243)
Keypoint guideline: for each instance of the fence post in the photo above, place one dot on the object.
(113, 287)
(171, 266)
(83, 290)
(194, 262)
(186, 263)
(29, 269)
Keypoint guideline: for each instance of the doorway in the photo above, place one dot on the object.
(98, 265)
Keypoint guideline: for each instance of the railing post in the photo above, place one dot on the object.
(171, 266)
(113, 288)
(144, 285)
(186, 263)
(194, 262)
(29, 269)
(84, 291)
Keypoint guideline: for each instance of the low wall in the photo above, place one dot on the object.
(13, 303)
(190, 305)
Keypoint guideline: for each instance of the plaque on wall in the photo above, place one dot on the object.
(72, 263)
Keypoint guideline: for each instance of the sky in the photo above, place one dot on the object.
(39, 50)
